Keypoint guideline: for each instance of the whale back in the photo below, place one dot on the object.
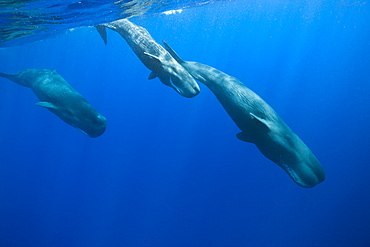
(27, 77)
(52, 87)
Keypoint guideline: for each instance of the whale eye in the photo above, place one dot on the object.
(290, 141)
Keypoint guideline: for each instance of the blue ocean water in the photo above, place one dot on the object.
(169, 170)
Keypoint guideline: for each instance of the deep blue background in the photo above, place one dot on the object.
(169, 170)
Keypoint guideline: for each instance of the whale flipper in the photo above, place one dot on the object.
(261, 122)
(244, 137)
(152, 75)
(47, 105)
(153, 57)
(157, 63)
(103, 32)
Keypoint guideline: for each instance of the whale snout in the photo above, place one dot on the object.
(307, 173)
(91, 126)
(289, 152)
(306, 178)
(98, 127)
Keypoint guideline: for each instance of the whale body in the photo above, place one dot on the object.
(153, 56)
(62, 99)
(259, 123)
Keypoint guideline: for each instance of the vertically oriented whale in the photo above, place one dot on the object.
(259, 124)
(153, 56)
(62, 99)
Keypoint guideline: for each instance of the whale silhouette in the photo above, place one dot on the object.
(153, 56)
(259, 123)
(60, 98)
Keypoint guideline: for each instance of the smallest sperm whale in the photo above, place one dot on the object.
(259, 124)
(153, 56)
(62, 99)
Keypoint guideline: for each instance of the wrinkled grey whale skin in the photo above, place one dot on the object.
(259, 124)
(154, 57)
(60, 98)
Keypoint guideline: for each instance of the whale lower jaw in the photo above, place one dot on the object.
(313, 179)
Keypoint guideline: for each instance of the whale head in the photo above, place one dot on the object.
(299, 162)
(172, 74)
(179, 79)
(87, 120)
(79, 114)
(93, 126)
(281, 145)
(182, 81)
(287, 150)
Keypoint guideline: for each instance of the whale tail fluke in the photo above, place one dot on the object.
(103, 32)
(172, 52)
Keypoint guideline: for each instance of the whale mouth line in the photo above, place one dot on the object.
(83, 131)
(290, 172)
(75, 126)
(175, 87)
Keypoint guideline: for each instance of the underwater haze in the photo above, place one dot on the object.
(169, 170)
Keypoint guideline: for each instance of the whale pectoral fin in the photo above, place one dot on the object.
(47, 105)
(152, 75)
(261, 122)
(153, 57)
(158, 65)
(244, 137)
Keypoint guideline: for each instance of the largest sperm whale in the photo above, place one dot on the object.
(259, 123)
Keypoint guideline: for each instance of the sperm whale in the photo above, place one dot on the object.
(259, 123)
